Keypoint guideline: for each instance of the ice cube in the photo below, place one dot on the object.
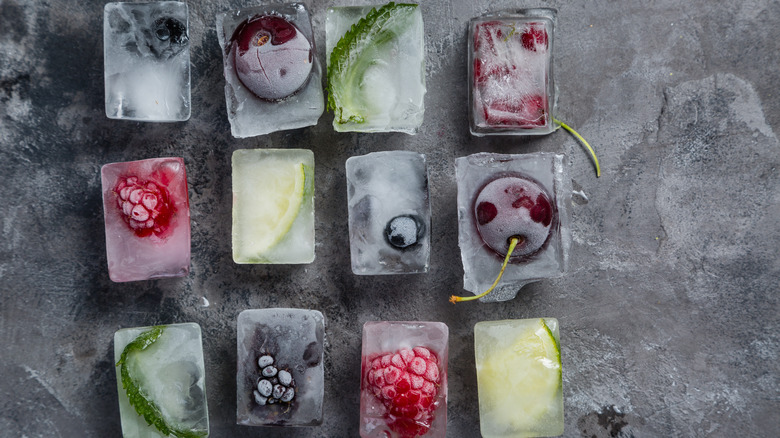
(501, 196)
(280, 375)
(273, 78)
(147, 61)
(147, 219)
(511, 86)
(169, 373)
(403, 382)
(273, 206)
(378, 79)
(519, 378)
(389, 213)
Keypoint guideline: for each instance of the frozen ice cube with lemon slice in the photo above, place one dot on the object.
(519, 378)
(273, 206)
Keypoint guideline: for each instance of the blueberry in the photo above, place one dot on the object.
(404, 231)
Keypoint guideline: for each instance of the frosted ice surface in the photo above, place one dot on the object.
(492, 340)
(142, 250)
(250, 115)
(147, 61)
(389, 213)
(481, 265)
(383, 337)
(393, 88)
(172, 374)
(288, 343)
(511, 87)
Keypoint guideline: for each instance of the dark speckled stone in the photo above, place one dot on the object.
(669, 312)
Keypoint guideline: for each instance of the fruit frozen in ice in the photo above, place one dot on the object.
(273, 59)
(404, 231)
(144, 205)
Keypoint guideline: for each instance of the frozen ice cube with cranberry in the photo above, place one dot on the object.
(376, 67)
(147, 61)
(403, 380)
(272, 73)
(147, 219)
(280, 376)
(511, 88)
(389, 213)
(501, 197)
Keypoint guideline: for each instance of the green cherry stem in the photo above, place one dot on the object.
(512, 244)
(583, 141)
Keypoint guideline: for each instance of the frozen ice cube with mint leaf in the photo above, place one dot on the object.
(273, 206)
(376, 68)
(161, 381)
(389, 213)
(147, 61)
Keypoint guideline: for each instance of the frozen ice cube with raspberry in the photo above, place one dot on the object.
(404, 379)
(147, 219)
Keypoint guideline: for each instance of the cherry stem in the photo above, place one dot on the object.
(583, 141)
(513, 241)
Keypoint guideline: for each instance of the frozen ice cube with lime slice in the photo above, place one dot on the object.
(519, 377)
(273, 206)
(161, 381)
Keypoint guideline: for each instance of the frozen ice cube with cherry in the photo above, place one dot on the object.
(511, 89)
(147, 219)
(403, 383)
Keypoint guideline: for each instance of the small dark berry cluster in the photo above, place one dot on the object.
(273, 385)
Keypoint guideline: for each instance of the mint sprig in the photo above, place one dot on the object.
(352, 56)
(144, 406)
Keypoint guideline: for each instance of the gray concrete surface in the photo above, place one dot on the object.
(669, 312)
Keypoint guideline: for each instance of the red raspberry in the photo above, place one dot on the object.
(407, 383)
(535, 37)
(144, 205)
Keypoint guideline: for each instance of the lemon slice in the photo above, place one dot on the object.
(519, 375)
(267, 197)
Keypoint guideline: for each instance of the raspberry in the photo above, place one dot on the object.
(144, 205)
(534, 38)
(407, 383)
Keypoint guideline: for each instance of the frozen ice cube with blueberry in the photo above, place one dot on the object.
(147, 61)
(280, 375)
(403, 382)
(501, 197)
(147, 219)
(376, 67)
(272, 73)
(511, 84)
(161, 366)
(389, 213)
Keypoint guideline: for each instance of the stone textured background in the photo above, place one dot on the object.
(669, 312)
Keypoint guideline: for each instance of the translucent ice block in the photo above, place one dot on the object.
(280, 378)
(519, 378)
(511, 88)
(376, 71)
(147, 217)
(273, 78)
(389, 213)
(161, 366)
(273, 206)
(403, 382)
(147, 61)
(502, 196)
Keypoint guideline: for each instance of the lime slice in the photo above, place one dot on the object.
(520, 378)
(267, 198)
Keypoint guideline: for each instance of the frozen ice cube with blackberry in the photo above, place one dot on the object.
(403, 383)
(147, 61)
(504, 197)
(389, 213)
(147, 219)
(280, 375)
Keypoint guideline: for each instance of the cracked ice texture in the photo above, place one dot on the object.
(295, 339)
(249, 115)
(133, 257)
(380, 187)
(147, 61)
(480, 264)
